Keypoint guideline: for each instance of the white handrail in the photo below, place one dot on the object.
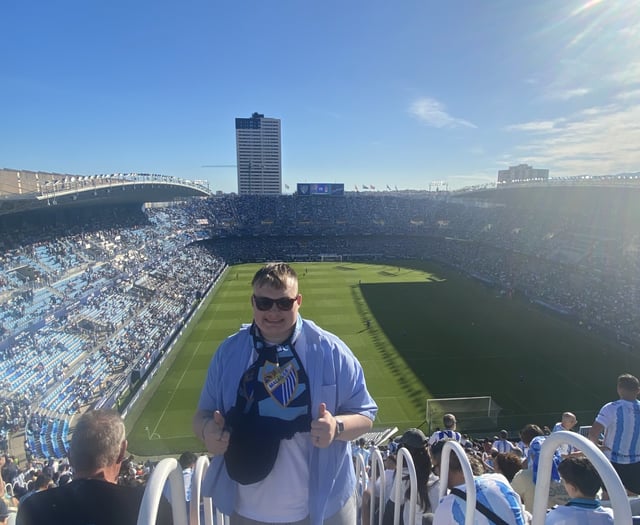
(361, 471)
(377, 464)
(610, 478)
(403, 456)
(469, 481)
(202, 464)
(168, 468)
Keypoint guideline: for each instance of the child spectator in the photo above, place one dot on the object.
(582, 482)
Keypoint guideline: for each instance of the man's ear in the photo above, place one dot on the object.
(123, 451)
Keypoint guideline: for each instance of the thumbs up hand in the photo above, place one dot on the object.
(216, 438)
(323, 428)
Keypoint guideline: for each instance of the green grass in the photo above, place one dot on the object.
(434, 333)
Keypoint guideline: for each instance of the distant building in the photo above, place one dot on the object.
(258, 153)
(522, 173)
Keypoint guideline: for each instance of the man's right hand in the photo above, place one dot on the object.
(216, 438)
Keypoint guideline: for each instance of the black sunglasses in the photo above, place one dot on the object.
(266, 303)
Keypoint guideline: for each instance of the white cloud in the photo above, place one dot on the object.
(567, 94)
(536, 125)
(629, 95)
(433, 113)
(598, 140)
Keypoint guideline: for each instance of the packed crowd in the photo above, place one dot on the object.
(90, 299)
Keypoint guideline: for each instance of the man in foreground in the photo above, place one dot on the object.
(282, 401)
(98, 448)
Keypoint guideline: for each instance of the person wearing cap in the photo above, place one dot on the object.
(97, 451)
(281, 403)
(428, 485)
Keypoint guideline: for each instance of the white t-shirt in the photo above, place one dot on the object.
(290, 476)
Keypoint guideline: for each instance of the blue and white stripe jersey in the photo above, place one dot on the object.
(579, 515)
(621, 421)
(494, 492)
(503, 445)
(565, 449)
(439, 435)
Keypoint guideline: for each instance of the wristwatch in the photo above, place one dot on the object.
(339, 427)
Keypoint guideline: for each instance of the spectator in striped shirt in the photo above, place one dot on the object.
(495, 499)
(567, 423)
(449, 432)
(502, 444)
(620, 423)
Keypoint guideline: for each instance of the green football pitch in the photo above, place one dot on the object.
(420, 331)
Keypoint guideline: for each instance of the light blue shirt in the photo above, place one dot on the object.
(335, 378)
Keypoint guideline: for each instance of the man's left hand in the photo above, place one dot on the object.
(323, 429)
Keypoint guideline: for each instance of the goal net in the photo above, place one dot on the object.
(330, 257)
(472, 413)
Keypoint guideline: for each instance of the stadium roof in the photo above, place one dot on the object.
(27, 190)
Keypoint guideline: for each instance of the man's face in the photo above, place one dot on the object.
(276, 324)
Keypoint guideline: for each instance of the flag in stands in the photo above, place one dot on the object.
(365, 187)
(372, 186)
(286, 186)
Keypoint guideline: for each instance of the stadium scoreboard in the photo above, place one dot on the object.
(320, 188)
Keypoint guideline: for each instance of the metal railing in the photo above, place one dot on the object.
(610, 478)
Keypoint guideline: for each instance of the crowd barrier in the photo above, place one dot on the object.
(168, 472)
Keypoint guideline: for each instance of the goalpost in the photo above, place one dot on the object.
(330, 257)
(472, 413)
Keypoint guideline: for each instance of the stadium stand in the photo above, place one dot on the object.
(91, 298)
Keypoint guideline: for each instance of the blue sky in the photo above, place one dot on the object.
(401, 93)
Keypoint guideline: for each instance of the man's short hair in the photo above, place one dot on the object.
(187, 459)
(42, 481)
(449, 420)
(275, 274)
(582, 474)
(628, 382)
(96, 440)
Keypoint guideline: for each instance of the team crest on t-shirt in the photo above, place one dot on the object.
(280, 381)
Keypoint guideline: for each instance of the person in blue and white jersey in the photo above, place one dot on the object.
(449, 432)
(620, 423)
(582, 482)
(567, 422)
(494, 496)
(502, 444)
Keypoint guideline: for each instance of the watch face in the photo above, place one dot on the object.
(340, 426)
